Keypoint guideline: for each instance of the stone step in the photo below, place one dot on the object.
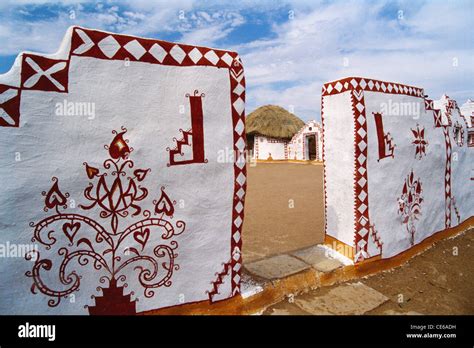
(319, 258)
(277, 267)
(346, 299)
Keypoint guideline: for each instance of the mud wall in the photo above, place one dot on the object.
(395, 170)
(115, 195)
(270, 148)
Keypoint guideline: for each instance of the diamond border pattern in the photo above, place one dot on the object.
(237, 87)
(89, 43)
(361, 207)
(109, 46)
(370, 85)
(357, 86)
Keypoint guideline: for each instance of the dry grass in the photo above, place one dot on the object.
(273, 121)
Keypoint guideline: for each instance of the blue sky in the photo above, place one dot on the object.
(289, 48)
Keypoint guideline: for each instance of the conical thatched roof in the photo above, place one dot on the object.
(273, 121)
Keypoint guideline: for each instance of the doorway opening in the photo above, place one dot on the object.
(311, 147)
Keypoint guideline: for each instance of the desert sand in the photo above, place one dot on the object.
(284, 209)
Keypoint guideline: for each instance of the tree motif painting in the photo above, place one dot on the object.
(116, 192)
(410, 204)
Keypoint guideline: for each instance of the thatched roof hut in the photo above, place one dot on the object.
(273, 121)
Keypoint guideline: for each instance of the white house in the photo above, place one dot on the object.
(270, 129)
(307, 144)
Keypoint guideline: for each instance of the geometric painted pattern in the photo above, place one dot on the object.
(361, 207)
(44, 74)
(50, 75)
(447, 178)
(237, 87)
(351, 83)
(357, 86)
(102, 45)
(429, 106)
(9, 106)
(448, 108)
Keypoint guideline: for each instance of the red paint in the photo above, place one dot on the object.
(409, 204)
(118, 148)
(96, 248)
(85, 43)
(419, 142)
(10, 108)
(44, 74)
(385, 141)
(196, 133)
(113, 302)
(361, 207)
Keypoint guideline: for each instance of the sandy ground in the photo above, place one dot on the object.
(284, 209)
(439, 281)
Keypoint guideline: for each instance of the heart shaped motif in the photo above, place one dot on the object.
(70, 230)
(164, 204)
(54, 197)
(141, 236)
(140, 174)
(91, 171)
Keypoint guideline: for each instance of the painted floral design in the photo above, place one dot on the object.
(92, 246)
(410, 204)
(419, 142)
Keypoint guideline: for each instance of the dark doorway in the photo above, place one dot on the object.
(311, 141)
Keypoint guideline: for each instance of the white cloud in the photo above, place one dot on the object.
(311, 49)
(309, 43)
(139, 17)
(204, 29)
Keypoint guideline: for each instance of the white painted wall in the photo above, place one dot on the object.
(386, 176)
(339, 166)
(297, 147)
(462, 163)
(145, 98)
(265, 147)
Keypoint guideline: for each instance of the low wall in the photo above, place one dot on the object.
(266, 148)
(395, 172)
(123, 176)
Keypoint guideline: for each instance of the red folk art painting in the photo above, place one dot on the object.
(410, 204)
(385, 140)
(107, 246)
(114, 233)
(419, 142)
(193, 137)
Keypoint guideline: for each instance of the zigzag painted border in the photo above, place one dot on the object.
(219, 281)
(370, 85)
(357, 86)
(44, 73)
(361, 194)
